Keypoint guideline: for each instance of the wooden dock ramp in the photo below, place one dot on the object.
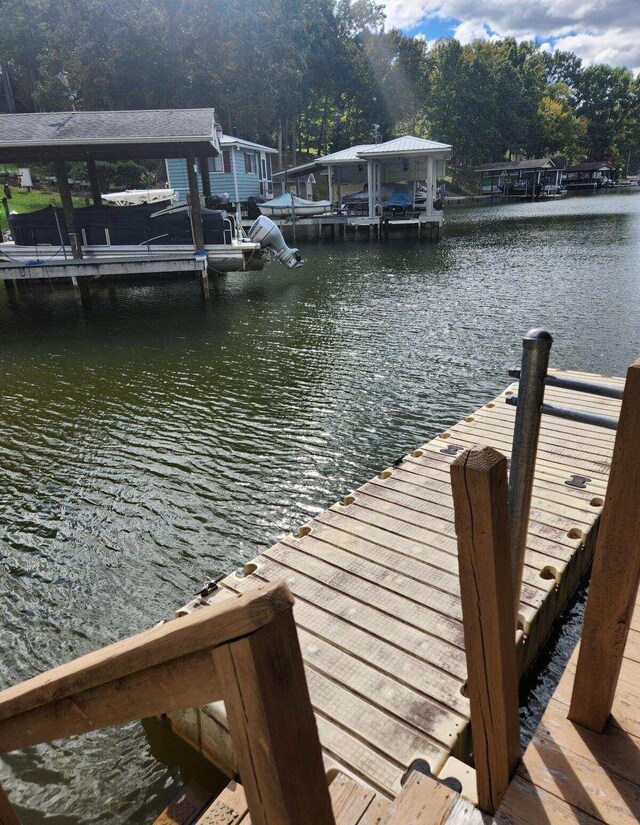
(378, 609)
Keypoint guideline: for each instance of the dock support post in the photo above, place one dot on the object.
(616, 573)
(203, 168)
(272, 726)
(196, 220)
(204, 284)
(536, 346)
(94, 183)
(60, 168)
(479, 485)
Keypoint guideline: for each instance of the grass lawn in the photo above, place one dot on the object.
(22, 201)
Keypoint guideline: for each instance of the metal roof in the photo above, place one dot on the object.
(107, 134)
(593, 166)
(406, 145)
(515, 165)
(229, 140)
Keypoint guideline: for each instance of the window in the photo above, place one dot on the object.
(250, 165)
(221, 163)
(215, 164)
(263, 163)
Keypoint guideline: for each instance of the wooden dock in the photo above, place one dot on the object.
(378, 608)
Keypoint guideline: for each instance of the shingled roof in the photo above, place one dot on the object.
(146, 133)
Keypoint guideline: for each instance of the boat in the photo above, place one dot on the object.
(135, 231)
(291, 206)
(135, 197)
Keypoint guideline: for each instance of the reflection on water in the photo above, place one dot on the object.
(160, 441)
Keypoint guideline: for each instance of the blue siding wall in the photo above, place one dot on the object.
(248, 185)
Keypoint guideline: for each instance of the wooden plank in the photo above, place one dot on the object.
(420, 541)
(354, 755)
(581, 783)
(199, 631)
(412, 589)
(376, 812)
(349, 800)
(615, 751)
(423, 617)
(387, 627)
(379, 729)
(422, 801)
(524, 804)
(402, 484)
(406, 705)
(272, 724)
(8, 815)
(616, 572)
(229, 808)
(480, 491)
(187, 807)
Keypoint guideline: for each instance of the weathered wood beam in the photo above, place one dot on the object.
(616, 572)
(181, 637)
(94, 183)
(203, 168)
(480, 491)
(273, 728)
(60, 168)
(194, 201)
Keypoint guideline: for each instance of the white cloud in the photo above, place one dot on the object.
(596, 30)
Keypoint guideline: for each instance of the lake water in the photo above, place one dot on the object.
(160, 441)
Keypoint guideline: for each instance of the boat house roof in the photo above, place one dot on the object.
(240, 143)
(406, 146)
(518, 165)
(591, 166)
(132, 134)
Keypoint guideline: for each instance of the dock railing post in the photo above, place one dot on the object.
(616, 572)
(536, 346)
(479, 483)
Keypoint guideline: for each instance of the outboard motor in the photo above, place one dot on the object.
(266, 233)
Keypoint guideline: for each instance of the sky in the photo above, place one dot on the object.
(599, 31)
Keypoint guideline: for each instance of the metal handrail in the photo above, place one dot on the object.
(578, 385)
(605, 421)
(530, 406)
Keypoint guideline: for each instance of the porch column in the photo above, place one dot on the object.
(194, 200)
(94, 183)
(203, 168)
(330, 183)
(62, 180)
(430, 186)
(370, 186)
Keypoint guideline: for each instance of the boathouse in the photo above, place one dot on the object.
(243, 170)
(530, 178)
(57, 138)
(589, 176)
(379, 185)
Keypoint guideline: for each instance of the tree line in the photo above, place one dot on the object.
(314, 76)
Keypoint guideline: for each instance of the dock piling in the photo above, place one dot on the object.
(536, 346)
(479, 486)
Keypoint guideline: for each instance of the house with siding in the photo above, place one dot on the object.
(243, 170)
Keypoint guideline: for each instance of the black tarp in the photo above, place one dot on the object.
(126, 225)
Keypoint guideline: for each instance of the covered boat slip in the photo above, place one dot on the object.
(57, 138)
(409, 163)
(378, 608)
